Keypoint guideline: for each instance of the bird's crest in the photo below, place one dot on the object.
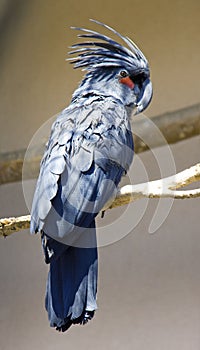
(106, 52)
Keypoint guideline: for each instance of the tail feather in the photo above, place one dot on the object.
(71, 284)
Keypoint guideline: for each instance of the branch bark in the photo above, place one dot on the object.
(175, 126)
(162, 188)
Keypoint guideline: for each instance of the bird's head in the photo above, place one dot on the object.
(112, 69)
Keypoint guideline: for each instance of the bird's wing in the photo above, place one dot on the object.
(88, 151)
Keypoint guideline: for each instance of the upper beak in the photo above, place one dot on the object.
(144, 97)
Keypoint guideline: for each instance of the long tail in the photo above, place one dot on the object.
(71, 285)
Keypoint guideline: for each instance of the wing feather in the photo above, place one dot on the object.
(81, 168)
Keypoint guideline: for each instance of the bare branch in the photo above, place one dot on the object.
(12, 225)
(175, 126)
(163, 188)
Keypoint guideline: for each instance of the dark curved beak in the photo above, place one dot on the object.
(144, 97)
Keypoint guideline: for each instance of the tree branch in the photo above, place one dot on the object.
(174, 126)
(163, 188)
(12, 224)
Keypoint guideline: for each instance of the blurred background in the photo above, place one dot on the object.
(149, 285)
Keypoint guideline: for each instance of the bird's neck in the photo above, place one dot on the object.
(105, 88)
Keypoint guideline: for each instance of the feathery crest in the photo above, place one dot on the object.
(106, 52)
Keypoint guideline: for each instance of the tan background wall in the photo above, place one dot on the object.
(149, 285)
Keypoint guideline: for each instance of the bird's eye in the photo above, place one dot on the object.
(123, 74)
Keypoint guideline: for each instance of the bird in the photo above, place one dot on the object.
(89, 149)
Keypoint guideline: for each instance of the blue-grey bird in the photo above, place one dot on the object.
(89, 149)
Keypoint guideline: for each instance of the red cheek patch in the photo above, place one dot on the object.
(128, 82)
